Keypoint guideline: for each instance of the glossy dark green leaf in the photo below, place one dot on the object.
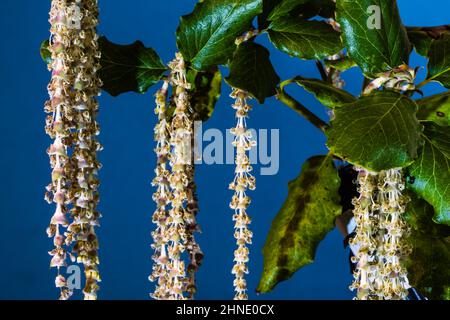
(304, 39)
(268, 6)
(431, 171)
(377, 132)
(428, 264)
(304, 9)
(341, 64)
(312, 8)
(421, 37)
(206, 36)
(128, 67)
(46, 55)
(435, 108)
(205, 91)
(252, 71)
(326, 93)
(439, 63)
(306, 217)
(283, 7)
(420, 40)
(374, 50)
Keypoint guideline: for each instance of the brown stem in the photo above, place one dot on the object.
(423, 83)
(322, 71)
(366, 82)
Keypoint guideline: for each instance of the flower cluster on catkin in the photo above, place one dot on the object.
(162, 197)
(181, 137)
(367, 271)
(73, 154)
(380, 236)
(176, 226)
(243, 180)
(392, 246)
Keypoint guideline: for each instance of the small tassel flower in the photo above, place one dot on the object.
(243, 180)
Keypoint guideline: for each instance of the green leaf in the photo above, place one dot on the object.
(268, 6)
(374, 50)
(439, 63)
(312, 8)
(341, 64)
(206, 36)
(421, 37)
(435, 108)
(205, 91)
(306, 217)
(420, 40)
(431, 171)
(284, 7)
(328, 95)
(128, 67)
(304, 39)
(306, 9)
(252, 71)
(377, 132)
(46, 55)
(428, 264)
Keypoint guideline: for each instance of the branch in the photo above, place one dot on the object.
(302, 110)
(323, 73)
(365, 83)
(423, 83)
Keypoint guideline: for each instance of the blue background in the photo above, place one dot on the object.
(128, 162)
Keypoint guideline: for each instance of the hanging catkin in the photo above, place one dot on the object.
(162, 198)
(380, 236)
(181, 132)
(243, 180)
(73, 105)
(175, 227)
(87, 83)
(392, 248)
(58, 126)
(367, 273)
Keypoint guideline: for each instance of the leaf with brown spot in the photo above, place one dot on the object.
(306, 217)
(435, 108)
(421, 37)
